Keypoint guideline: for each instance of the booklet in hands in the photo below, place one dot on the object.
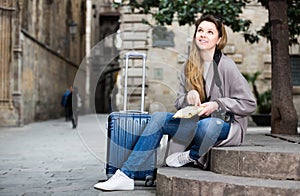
(188, 112)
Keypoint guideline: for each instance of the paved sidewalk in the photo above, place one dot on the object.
(51, 158)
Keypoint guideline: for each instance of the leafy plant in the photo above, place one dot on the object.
(263, 99)
(164, 12)
(264, 102)
(293, 13)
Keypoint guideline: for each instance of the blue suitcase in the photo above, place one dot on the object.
(124, 129)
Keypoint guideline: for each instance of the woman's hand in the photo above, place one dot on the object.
(193, 98)
(208, 108)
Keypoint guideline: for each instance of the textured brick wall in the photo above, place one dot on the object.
(45, 78)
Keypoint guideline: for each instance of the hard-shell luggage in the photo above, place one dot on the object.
(124, 129)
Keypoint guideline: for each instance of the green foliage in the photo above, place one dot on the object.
(263, 99)
(252, 78)
(228, 10)
(186, 10)
(293, 13)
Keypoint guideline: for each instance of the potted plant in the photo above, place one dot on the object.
(262, 117)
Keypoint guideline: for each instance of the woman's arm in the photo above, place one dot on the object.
(238, 96)
(181, 101)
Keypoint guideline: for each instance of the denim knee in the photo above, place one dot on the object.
(155, 124)
(210, 127)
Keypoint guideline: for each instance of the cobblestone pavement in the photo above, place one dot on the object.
(51, 158)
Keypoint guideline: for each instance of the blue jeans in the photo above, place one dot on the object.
(203, 133)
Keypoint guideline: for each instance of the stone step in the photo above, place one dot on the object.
(260, 156)
(193, 181)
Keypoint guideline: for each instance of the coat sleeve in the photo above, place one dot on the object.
(180, 101)
(238, 96)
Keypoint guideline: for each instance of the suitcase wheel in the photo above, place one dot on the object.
(149, 181)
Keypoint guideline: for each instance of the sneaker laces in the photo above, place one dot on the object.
(115, 177)
(184, 158)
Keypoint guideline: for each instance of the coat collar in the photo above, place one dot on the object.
(212, 81)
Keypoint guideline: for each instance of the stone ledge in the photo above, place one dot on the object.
(193, 181)
(290, 138)
(260, 156)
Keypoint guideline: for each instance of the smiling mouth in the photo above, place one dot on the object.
(203, 41)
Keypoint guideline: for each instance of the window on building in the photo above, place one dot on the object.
(295, 69)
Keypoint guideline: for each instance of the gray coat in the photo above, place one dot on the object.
(237, 98)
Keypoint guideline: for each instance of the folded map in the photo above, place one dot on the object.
(188, 112)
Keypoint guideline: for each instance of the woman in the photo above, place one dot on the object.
(208, 79)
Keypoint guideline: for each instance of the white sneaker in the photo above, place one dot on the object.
(119, 181)
(179, 159)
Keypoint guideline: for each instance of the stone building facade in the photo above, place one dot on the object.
(39, 57)
(42, 55)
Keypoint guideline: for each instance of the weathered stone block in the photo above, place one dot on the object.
(193, 181)
(134, 36)
(254, 161)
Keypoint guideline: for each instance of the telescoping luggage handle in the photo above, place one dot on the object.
(135, 55)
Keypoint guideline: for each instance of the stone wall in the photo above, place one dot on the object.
(164, 61)
(10, 97)
(51, 55)
(45, 77)
(45, 57)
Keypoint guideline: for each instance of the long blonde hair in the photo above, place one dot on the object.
(194, 67)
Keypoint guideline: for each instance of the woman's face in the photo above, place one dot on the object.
(207, 36)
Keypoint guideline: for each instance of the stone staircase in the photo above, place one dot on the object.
(264, 165)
